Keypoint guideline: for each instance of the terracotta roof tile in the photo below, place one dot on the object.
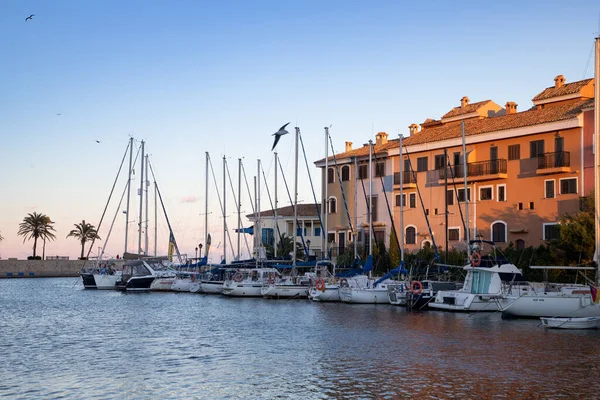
(469, 108)
(304, 210)
(567, 88)
(364, 151)
(510, 121)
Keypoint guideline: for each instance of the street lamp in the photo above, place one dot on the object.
(200, 249)
(196, 252)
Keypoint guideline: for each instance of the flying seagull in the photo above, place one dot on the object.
(279, 134)
(59, 114)
(30, 17)
(97, 141)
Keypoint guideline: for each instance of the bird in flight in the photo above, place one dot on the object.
(97, 141)
(279, 134)
(58, 113)
(30, 17)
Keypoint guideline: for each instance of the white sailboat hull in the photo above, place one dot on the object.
(242, 289)
(162, 284)
(106, 282)
(546, 305)
(181, 285)
(460, 301)
(212, 287)
(364, 296)
(285, 291)
(331, 293)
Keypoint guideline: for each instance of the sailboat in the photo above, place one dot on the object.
(566, 301)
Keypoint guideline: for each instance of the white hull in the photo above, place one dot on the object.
(181, 285)
(571, 323)
(364, 296)
(331, 293)
(547, 305)
(242, 289)
(162, 284)
(106, 282)
(196, 287)
(285, 291)
(212, 287)
(464, 302)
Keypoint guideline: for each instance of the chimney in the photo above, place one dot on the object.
(464, 102)
(559, 81)
(414, 128)
(381, 138)
(511, 107)
(348, 146)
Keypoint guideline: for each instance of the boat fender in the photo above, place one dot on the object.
(475, 259)
(418, 289)
(320, 285)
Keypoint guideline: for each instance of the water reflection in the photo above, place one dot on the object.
(59, 341)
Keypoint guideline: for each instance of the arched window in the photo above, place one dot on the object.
(345, 173)
(332, 205)
(411, 235)
(330, 175)
(520, 244)
(499, 232)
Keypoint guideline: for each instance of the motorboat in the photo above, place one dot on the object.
(571, 323)
(137, 275)
(106, 276)
(488, 277)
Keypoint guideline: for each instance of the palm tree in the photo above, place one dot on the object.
(285, 247)
(84, 232)
(1, 238)
(36, 226)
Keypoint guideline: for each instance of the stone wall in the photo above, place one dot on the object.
(41, 268)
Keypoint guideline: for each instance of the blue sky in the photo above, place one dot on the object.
(191, 77)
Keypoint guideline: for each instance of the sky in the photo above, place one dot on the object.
(191, 77)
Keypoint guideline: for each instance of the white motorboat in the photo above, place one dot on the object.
(571, 323)
(370, 291)
(328, 289)
(248, 282)
(137, 275)
(487, 280)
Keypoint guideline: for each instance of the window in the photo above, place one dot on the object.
(549, 189)
(450, 197)
(457, 159)
(330, 237)
(362, 171)
(435, 211)
(514, 152)
(379, 237)
(531, 205)
(568, 185)
(421, 164)
(453, 234)
(551, 231)
(520, 206)
(300, 231)
(499, 232)
(403, 200)
(412, 200)
(461, 195)
(427, 211)
(411, 235)
(485, 193)
(536, 148)
(330, 175)
(374, 208)
(267, 236)
(332, 205)
(520, 244)
(407, 165)
(345, 173)
(501, 196)
(439, 161)
(380, 169)
(317, 231)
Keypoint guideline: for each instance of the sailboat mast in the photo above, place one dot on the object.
(258, 227)
(155, 219)
(128, 191)
(146, 183)
(239, 206)
(295, 197)
(370, 198)
(276, 231)
(206, 208)
(256, 223)
(325, 209)
(401, 169)
(597, 153)
(355, 233)
(139, 250)
(446, 201)
(465, 169)
(224, 212)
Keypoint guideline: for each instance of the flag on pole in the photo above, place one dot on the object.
(171, 250)
(595, 294)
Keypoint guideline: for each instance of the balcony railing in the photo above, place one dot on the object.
(554, 160)
(481, 168)
(407, 177)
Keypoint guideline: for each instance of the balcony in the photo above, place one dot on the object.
(476, 171)
(408, 180)
(554, 163)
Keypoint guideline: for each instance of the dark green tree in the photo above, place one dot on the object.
(36, 226)
(84, 232)
(285, 247)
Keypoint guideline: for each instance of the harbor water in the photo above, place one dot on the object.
(58, 340)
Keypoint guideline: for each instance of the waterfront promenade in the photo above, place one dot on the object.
(41, 268)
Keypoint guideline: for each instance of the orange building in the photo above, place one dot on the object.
(525, 170)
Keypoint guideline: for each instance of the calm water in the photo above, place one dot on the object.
(60, 341)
